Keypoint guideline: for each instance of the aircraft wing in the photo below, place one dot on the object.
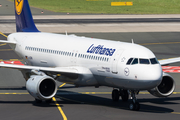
(169, 61)
(7, 42)
(45, 69)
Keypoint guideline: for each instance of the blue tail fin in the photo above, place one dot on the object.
(24, 20)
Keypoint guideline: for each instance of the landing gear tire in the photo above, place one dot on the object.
(115, 95)
(134, 106)
(38, 101)
(124, 95)
(131, 106)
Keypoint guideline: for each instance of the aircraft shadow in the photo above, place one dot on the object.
(153, 105)
(33, 102)
(13, 88)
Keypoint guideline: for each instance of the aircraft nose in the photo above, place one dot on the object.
(150, 76)
(155, 75)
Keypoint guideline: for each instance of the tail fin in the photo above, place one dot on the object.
(24, 20)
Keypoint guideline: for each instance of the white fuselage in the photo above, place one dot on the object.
(106, 60)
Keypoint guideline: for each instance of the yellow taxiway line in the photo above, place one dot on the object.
(3, 34)
(14, 93)
(3, 44)
(6, 49)
(58, 106)
(62, 85)
(145, 93)
(60, 109)
(12, 60)
(160, 43)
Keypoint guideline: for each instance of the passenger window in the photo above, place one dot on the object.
(154, 61)
(135, 61)
(129, 61)
(144, 61)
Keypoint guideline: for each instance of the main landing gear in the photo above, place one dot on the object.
(134, 105)
(123, 93)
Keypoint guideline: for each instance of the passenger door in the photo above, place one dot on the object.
(115, 60)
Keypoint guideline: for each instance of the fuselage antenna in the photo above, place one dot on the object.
(132, 41)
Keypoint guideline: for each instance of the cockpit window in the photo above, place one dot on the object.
(144, 61)
(154, 61)
(135, 61)
(129, 61)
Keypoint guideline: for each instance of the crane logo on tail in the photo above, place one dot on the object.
(19, 6)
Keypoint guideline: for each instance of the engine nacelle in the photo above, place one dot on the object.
(165, 88)
(41, 87)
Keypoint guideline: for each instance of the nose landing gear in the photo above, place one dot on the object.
(134, 105)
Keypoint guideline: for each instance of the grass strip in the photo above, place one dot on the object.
(104, 6)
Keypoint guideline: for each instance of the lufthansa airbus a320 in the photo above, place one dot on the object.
(126, 67)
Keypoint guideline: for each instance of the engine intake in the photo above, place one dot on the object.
(41, 87)
(165, 88)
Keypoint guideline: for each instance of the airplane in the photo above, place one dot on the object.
(126, 67)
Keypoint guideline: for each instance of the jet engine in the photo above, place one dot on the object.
(165, 88)
(41, 87)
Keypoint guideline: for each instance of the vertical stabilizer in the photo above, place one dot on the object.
(24, 20)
